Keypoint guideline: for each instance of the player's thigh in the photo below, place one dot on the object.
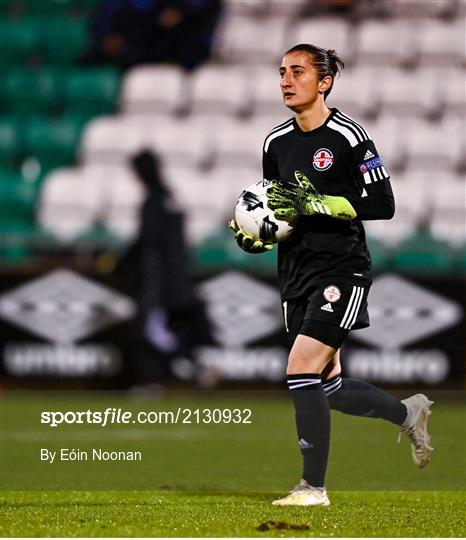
(308, 355)
(333, 368)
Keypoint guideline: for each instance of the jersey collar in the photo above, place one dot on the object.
(302, 133)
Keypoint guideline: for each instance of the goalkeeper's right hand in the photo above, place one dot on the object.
(247, 242)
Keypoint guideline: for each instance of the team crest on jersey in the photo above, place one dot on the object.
(332, 293)
(323, 159)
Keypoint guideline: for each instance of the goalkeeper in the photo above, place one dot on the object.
(327, 178)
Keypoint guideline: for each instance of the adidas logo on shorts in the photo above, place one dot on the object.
(327, 307)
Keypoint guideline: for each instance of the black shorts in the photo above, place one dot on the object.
(327, 313)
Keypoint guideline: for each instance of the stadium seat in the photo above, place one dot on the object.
(417, 9)
(68, 204)
(246, 7)
(240, 142)
(203, 198)
(10, 140)
(449, 204)
(17, 197)
(328, 32)
(411, 93)
(437, 146)
(219, 89)
(92, 91)
(186, 142)
(19, 40)
(49, 7)
(442, 42)
(153, 89)
(388, 42)
(29, 91)
(455, 91)
(267, 95)
(251, 40)
(123, 195)
(63, 39)
(52, 142)
(357, 92)
(111, 138)
(421, 253)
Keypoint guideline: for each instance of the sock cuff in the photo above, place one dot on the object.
(303, 380)
(332, 385)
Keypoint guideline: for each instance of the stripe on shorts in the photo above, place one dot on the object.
(352, 309)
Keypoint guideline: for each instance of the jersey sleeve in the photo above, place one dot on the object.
(269, 166)
(377, 201)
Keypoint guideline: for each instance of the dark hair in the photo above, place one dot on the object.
(326, 61)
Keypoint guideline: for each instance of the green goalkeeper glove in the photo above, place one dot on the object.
(288, 201)
(247, 242)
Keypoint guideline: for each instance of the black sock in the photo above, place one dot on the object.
(312, 424)
(358, 398)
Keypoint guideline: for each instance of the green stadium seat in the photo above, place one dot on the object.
(48, 7)
(63, 40)
(10, 140)
(422, 253)
(52, 142)
(30, 91)
(379, 254)
(17, 198)
(19, 40)
(92, 91)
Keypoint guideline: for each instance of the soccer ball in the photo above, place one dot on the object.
(255, 218)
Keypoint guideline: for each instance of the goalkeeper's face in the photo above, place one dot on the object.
(299, 82)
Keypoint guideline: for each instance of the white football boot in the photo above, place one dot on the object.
(418, 413)
(304, 495)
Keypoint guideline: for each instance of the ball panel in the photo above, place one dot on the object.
(254, 216)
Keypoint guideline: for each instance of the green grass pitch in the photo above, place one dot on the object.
(211, 480)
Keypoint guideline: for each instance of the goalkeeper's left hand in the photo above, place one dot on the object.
(288, 201)
(247, 242)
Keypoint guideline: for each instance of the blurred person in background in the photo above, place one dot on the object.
(327, 176)
(172, 319)
(132, 32)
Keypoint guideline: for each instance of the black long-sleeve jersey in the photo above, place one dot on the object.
(339, 158)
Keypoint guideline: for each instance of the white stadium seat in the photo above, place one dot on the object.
(435, 146)
(455, 91)
(357, 92)
(388, 42)
(442, 43)
(110, 138)
(245, 7)
(256, 40)
(330, 33)
(153, 89)
(218, 89)
(121, 201)
(239, 142)
(415, 92)
(419, 8)
(202, 196)
(69, 204)
(182, 141)
(266, 96)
